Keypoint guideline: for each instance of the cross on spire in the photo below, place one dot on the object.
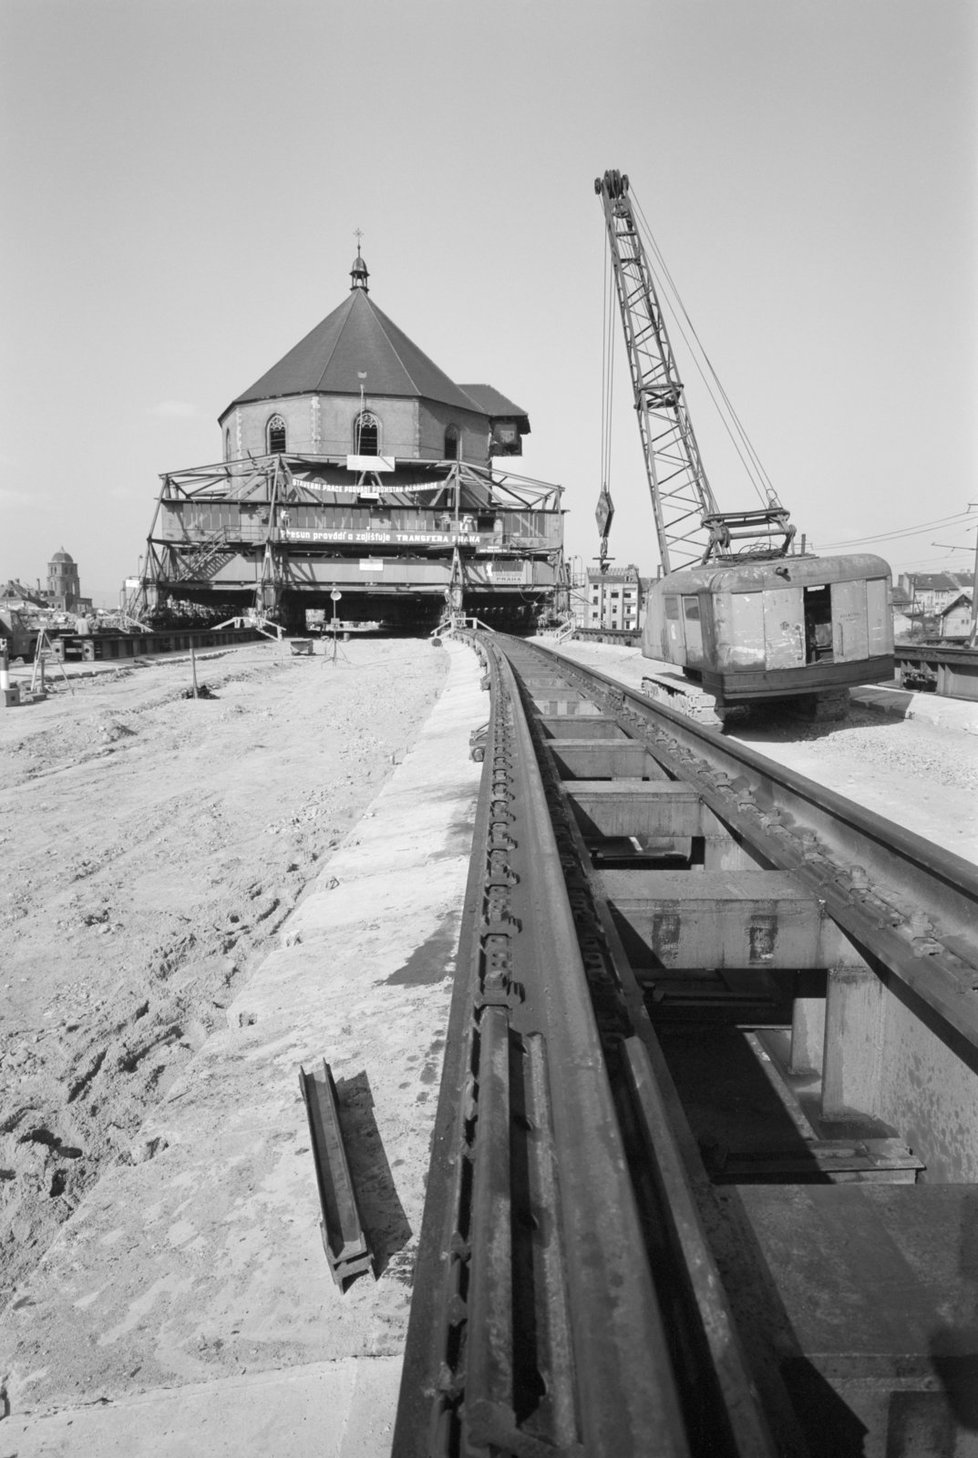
(358, 272)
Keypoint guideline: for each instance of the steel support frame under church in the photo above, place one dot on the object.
(403, 541)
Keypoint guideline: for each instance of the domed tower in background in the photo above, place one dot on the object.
(64, 588)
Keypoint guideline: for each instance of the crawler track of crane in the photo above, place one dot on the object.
(704, 1170)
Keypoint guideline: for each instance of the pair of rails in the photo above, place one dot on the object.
(598, 1272)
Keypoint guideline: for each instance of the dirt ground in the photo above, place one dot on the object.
(921, 776)
(150, 846)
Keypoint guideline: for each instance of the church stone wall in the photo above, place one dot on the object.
(398, 424)
(247, 425)
(473, 432)
(323, 425)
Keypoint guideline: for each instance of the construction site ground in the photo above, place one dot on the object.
(198, 898)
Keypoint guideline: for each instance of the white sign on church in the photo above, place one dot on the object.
(370, 463)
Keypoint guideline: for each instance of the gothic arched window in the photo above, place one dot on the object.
(366, 434)
(227, 445)
(275, 434)
(451, 443)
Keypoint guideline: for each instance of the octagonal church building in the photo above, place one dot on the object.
(357, 478)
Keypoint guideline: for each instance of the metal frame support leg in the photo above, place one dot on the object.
(807, 1035)
(855, 1013)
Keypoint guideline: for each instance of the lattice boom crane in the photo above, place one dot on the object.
(741, 616)
(689, 525)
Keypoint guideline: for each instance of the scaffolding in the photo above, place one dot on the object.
(277, 533)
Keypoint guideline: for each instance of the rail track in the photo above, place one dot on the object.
(950, 670)
(100, 647)
(704, 1176)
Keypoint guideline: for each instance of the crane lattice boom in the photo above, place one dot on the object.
(689, 526)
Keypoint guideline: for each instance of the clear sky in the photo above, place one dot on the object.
(181, 182)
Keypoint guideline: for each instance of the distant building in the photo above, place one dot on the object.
(931, 592)
(614, 598)
(64, 589)
(956, 618)
(61, 595)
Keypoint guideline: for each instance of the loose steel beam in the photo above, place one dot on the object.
(344, 1239)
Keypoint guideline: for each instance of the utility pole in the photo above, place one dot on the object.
(973, 635)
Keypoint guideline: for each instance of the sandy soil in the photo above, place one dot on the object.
(150, 847)
(921, 776)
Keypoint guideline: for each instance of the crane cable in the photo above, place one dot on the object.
(729, 418)
(607, 369)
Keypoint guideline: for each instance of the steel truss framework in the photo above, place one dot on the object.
(689, 524)
(257, 500)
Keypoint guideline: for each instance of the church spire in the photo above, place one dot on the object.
(358, 272)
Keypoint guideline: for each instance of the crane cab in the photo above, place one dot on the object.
(774, 628)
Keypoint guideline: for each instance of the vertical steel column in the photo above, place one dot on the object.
(855, 1016)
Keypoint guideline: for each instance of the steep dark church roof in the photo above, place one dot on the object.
(356, 339)
(489, 401)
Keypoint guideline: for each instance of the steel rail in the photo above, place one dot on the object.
(581, 1288)
(725, 1411)
(628, 637)
(98, 647)
(537, 1323)
(533, 1329)
(950, 670)
(909, 905)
